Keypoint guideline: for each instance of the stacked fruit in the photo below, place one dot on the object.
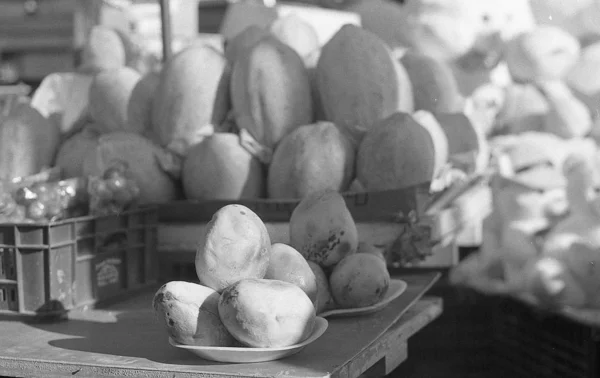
(258, 294)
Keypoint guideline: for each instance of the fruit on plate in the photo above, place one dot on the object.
(267, 313)
(322, 228)
(236, 245)
(396, 153)
(109, 97)
(287, 264)
(311, 158)
(185, 108)
(190, 314)
(359, 82)
(73, 150)
(270, 95)
(141, 101)
(28, 141)
(220, 168)
(324, 300)
(102, 51)
(359, 280)
(144, 160)
(434, 85)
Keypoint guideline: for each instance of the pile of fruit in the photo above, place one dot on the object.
(257, 294)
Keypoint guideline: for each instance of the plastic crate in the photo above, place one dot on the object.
(530, 342)
(50, 268)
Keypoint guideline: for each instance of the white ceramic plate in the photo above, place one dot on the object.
(397, 287)
(249, 355)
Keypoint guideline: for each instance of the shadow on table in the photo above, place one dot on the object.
(119, 337)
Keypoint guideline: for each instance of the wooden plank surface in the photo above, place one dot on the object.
(126, 340)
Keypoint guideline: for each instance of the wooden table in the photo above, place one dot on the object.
(126, 340)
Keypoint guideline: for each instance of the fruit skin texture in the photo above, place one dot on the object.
(236, 246)
(220, 168)
(141, 101)
(396, 153)
(109, 98)
(267, 313)
(190, 314)
(28, 142)
(434, 85)
(322, 228)
(324, 300)
(104, 50)
(270, 94)
(185, 107)
(311, 158)
(72, 152)
(359, 82)
(287, 264)
(359, 280)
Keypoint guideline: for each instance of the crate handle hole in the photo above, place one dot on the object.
(13, 295)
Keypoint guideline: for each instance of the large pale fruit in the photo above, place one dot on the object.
(109, 97)
(141, 102)
(271, 95)
(359, 280)
(190, 314)
(143, 159)
(324, 300)
(220, 168)
(311, 158)
(359, 81)
(28, 142)
(73, 151)
(396, 153)
(267, 313)
(102, 51)
(296, 33)
(185, 105)
(236, 245)
(440, 140)
(287, 264)
(322, 228)
(433, 83)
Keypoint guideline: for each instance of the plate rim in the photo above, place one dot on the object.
(364, 310)
(319, 328)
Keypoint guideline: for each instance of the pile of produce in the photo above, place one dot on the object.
(257, 294)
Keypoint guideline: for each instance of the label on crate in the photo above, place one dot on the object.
(108, 272)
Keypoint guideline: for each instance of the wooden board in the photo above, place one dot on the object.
(126, 340)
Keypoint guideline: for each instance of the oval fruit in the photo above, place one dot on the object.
(220, 168)
(324, 300)
(109, 97)
(103, 50)
(358, 81)
(397, 153)
(267, 313)
(190, 314)
(287, 264)
(296, 33)
(139, 108)
(311, 158)
(72, 152)
(236, 246)
(185, 107)
(359, 280)
(322, 228)
(243, 42)
(364, 247)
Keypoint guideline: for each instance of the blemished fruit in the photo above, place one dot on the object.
(311, 158)
(287, 264)
(236, 246)
(322, 228)
(190, 314)
(267, 313)
(359, 280)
